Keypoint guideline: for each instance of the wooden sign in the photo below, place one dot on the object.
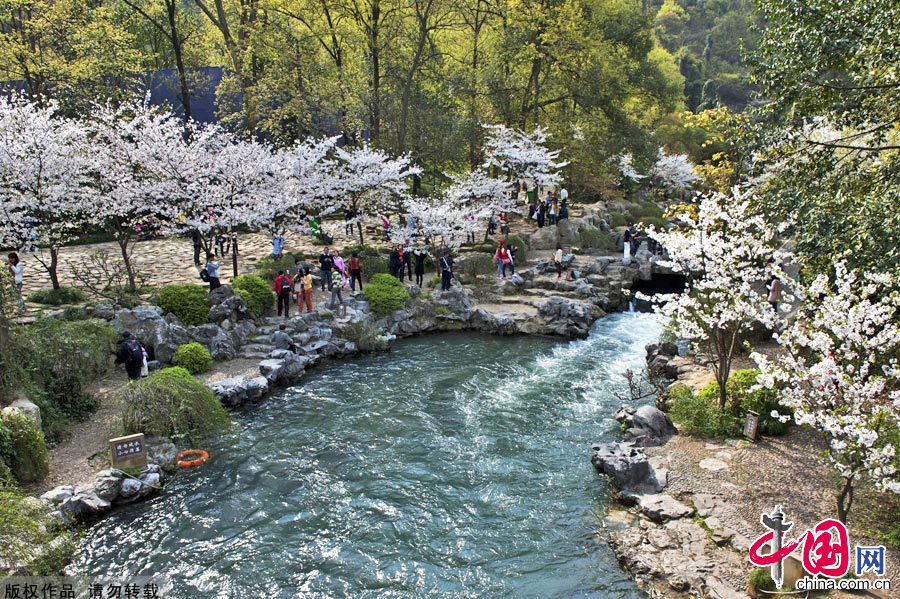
(128, 452)
(751, 425)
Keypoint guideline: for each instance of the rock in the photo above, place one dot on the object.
(27, 407)
(107, 487)
(58, 494)
(517, 280)
(84, 504)
(151, 482)
(220, 294)
(704, 503)
(130, 488)
(679, 583)
(457, 301)
(543, 239)
(661, 507)
(104, 311)
(627, 466)
(271, 369)
(222, 346)
(713, 464)
(233, 309)
(648, 426)
(147, 324)
(568, 318)
(235, 392)
(163, 453)
(154, 365)
(716, 588)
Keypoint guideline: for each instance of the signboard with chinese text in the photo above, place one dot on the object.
(128, 452)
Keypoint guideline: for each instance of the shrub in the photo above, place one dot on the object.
(59, 359)
(22, 447)
(475, 265)
(596, 239)
(72, 313)
(193, 357)
(373, 265)
(268, 266)
(31, 536)
(617, 219)
(761, 401)
(441, 310)
(657, 221)
(365, 334)
(172, 403)
(188, 302)
(521, 249)
(699, 416)
(363, 250)
(256, 292)
(385, 294)
(761, 580)
(57, 297)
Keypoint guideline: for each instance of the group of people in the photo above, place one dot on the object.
(505, 257)
(552, 209)
(335, 274)
(405, 261)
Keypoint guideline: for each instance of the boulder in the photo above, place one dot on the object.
(59, 494)
(27, 407)
(237, 391)
(662, 508)
(233, 309)
(627, 466)
(646, 426)
(270, 369)
(104, 311)
(568, 318)
(543, 239)
(106, 485)
(84, 504)
(163, 453)
(220, 294)
(130, 489)
(517, 280)
(147, 324)
(222, 346)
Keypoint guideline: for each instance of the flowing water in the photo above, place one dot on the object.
(455, 466)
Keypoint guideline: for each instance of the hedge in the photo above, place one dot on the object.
(256, 292)
(188, 302)
(699, 415)
(57, 297)
(268, 266)
(385, 294)
(172, 403)
(194, 357)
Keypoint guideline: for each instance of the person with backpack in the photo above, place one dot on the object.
(446, 264)
(283, 287)
(420, 255)
(131, 354)
(197, 241)
(355, 271)
(326, 264)
(212, 272)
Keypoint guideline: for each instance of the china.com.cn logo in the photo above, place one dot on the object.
(825, 553)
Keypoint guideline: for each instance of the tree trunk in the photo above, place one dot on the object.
(171, 6)
(54, 262)
(126, 258)
(361, 242)
(234, 253)
(845, 499)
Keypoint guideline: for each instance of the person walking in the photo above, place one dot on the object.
(401, 267)
(394, 261)
(307, 282)
(774, 287)
(283, 287)
(197, 241)
(420, 256)
(446, 264)
(563, 195)
(340, 266)
(349, 215)
(510, 260)
(558, 261)
(131, 354)
(299, 296)
(504, 224)
(277, 245)
(355, 271)
(326, 264)
(17, 271)
(212, 270)
(336, 295)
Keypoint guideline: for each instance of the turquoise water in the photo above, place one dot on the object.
(455, 466)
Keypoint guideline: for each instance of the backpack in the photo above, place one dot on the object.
(285, 285)
(204, 275)
(134, 353)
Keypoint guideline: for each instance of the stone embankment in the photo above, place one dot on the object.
(671, 542)
(533, 301)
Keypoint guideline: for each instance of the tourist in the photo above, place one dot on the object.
(499, 254)
(394, 261)
(349, 215)
(281, 340)
(131, 354)
(551, 214)
(404, 258)
(17, 271)
(355, 271)
(212, 271)
(563, 195)
(307, 289)
(504, 224)
(627, 238)
(420, 255)
(510, 260)
(408, 259)
(386, 227)
(326, 264)
(145, 365)
(197, 241)
(542, 214)
(446, 264)
(563, 210)
(339, 265)
(774, 287)
(492, 224)
(336, 295)
(558, 261)
(277, 245)
(283, 287)
(299, 296)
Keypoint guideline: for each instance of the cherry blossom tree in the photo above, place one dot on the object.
(369, 179)
(435, 218)
(128, 143)
(727, 254)
(839, 373)
(523, 155)
(628, 171)
(44, 182)
(673, 172)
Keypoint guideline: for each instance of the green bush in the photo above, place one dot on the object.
(645, 210)
(699, 415)
(268, 266)
(761, 580)
(474, 265)
(57, 297)
(657, 221)
(373, 265)
(30, 536)
(365, 334)
(363, 250)
(59, 358)
(618, 219)
(256, 292)
(385, 294)
(190, 303)
(22, 447)
(521, 249)
(73, 313)
(761, 401)
(596, 239)
(194, 357)
(172, 403)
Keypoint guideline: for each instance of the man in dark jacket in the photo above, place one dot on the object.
(284, 285)
(131, 354)
(326, 264)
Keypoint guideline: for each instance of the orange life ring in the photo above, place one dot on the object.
(199, 456)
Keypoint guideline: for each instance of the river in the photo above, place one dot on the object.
(457, 465)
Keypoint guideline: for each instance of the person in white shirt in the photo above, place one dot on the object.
(563, 194)
(558, 261)
(17, 270)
